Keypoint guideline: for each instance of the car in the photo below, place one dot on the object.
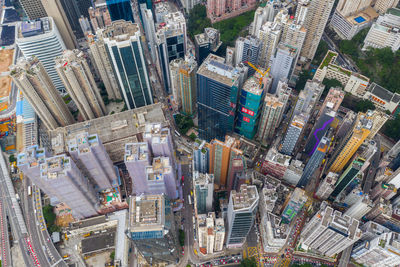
(183, 251)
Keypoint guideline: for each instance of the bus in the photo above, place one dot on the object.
(29, 190)
(190, 200)
(177, 133)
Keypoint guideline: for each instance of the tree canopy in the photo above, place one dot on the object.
(248, 263)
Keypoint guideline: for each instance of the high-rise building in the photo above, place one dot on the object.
(293, 33)
(124, 47)
(152, 228)
(222, 9)
(275, 163)
(174, 67)
(273, 233)
(99, 17)
(294, 205)
(32, 79)
(171, 42)
(236, 172)
(315, 161)
(161, 178)
(351, 16)
(29, 162)
(293, 133)
(378, 119)
(346, 125)
(347, 177)
(150, 32)
(33, 9)
(309, 97)
(321, 127)
(103, 64)
(383, 32)
(242, 211)
(203, 184)
(273, 109)
(360, 208)
(247, 49)
(327, 186)
(383, 250)
(187, 78)
(220, 156)
(371, 230)
(261, 16)
(351, 143)
(313, 15)
(294, 172)
(160, 140)
(283, 64)
(137, 158)
(332, 100)
(217, 97)
(211, 233)
(41, 39)
(69, 185)
(329, 232)
(250, 107)
(120, 9)
(269, 35)
(56, 11)
(91, 157)
(201, 158)
(383, 99)
(205, 43)
(381, 6)
(77, 77)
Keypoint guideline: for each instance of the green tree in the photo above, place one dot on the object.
(193, 136)
(50, 218)
(329, 83)
(392, 128)
(248, 262)
(198, 20)
(320, 53)
(303, 77)
(112, 255)
(12, 158)
(181, 237)
(364, 105)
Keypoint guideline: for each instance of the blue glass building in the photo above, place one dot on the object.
(314, 162)
(122, 42)
(217, 97)
(120, 9)
(249, 108)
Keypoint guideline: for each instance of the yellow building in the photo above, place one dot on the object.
(220, 155)
(360, 132)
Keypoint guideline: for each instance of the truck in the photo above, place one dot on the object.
(190, 200)
(29, 190)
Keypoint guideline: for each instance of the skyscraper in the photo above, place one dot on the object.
(69, 185)
(211, 233)
(261, 16)
(171, 42)
(273, 109)
(77, 77)
(187, 78)
(351, 143)
(321, 127)
(31, 78)
(220, 156)
(293, 133)
(217, 97)
(160, 140)
(313, 163)
(327, 186)
(42, 39)
(329, 232)
(205, 43)
(120, 9)
(250, 104)
(124, 48)
(313, 15)
(99, 17)
(152, 228)
(381, 6)
(269, 35)
(247, 49)
(333, 100)
(347, 177)
(203, 184)
(55, 10)
(103, 64)
(362, 206)
(137, 157)
(201, 158)
(242, 209)
(90, 155)
(283, 64)
(33, 9)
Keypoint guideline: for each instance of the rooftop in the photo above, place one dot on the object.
(120, 30)
(330, 57)
(274, 156)
(214, 68)
(55, 166)
(82, 142)
(252, 85)
(146, 212)
(33, 156)
(383, 93)
(28, 29)
(202, 178)
(6, 59)
(114, 130)
(100, 242)
(245, 198)
(136, 151)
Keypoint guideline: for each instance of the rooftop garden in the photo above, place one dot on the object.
(327, 59)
